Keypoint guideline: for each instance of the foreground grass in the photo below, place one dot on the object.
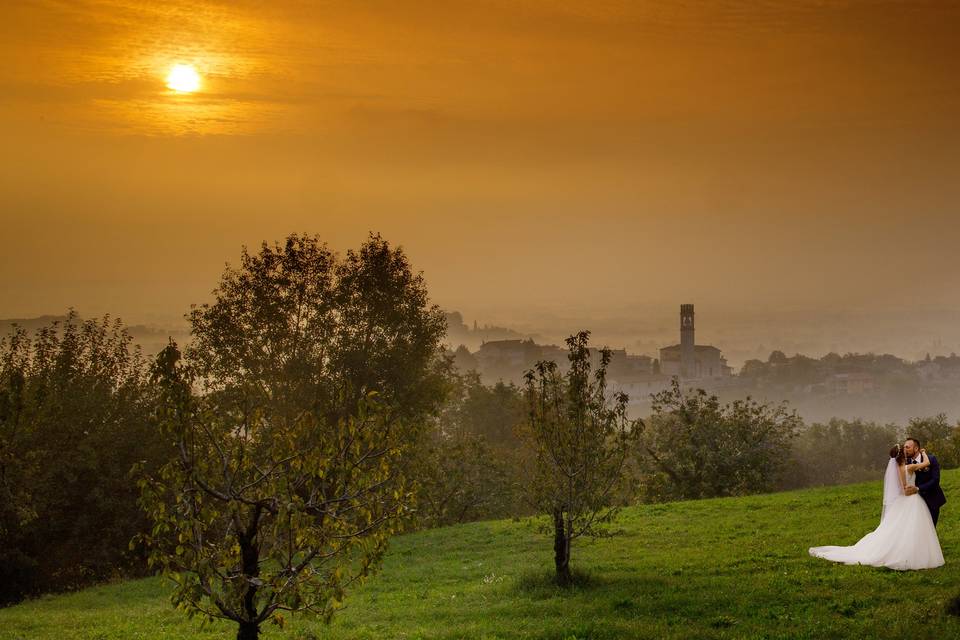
(725, 568)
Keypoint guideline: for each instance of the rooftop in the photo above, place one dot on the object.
(699, 347)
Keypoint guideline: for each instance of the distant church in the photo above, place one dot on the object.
(689, 360)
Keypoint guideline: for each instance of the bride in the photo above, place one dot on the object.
(906, 537)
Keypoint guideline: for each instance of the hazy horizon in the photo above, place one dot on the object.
(740, 334)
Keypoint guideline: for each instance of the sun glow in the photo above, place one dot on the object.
(183, 78)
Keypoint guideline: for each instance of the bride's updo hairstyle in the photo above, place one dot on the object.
(896, 451)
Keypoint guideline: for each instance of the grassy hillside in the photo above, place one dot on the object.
(726, 568)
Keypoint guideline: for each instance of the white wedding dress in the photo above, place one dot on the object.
(906, 538)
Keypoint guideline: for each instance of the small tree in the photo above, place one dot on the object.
(580, 441)
(258, 517)
(700, 448)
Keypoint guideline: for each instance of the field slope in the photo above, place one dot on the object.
(725, 568)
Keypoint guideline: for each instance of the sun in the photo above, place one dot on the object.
(183, 78)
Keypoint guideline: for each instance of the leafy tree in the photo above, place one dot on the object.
(939, 437)
(493, 412)
(19, 467)
(753, 369)
(468, 467)
(463, 479)
(297, 326)
(307, 381)
(580, 440)
(777, 357)
(74, 418)
(694, 447)
(464, 360)
(839, 451)
(260, 515)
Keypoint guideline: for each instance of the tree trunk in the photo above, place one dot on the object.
(561, 550)
(250, 557)
(248, 631)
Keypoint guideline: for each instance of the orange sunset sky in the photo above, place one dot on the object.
(531, 157)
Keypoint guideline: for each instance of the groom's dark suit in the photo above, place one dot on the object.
(928, 486)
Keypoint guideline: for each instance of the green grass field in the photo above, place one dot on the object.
(725, 568)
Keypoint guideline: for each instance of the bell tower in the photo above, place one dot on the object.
(687, 350)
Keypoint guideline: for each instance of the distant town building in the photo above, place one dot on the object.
(511, 355)
(850, 383)
(689, 360)
(508, 360)
(635, 374)
(623, 364)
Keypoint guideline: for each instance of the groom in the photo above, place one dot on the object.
(928, 480)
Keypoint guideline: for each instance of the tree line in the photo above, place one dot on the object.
(314, 413)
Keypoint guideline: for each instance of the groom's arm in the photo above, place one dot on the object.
(933, 475)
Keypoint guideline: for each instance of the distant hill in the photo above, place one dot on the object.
(30, 324)
(458, 333)
(150, 338)
(724, 568)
